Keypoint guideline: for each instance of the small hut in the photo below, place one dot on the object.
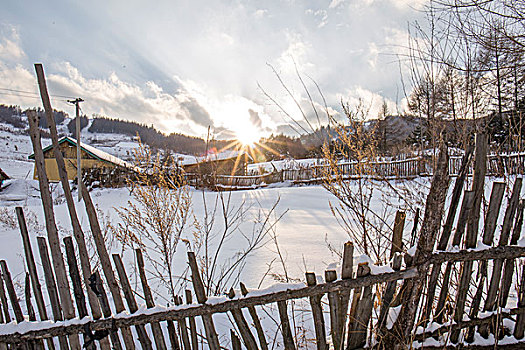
(91, 158)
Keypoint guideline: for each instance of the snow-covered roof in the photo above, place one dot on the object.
(224, 155)
(96, 153)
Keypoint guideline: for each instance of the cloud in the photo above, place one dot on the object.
(254, 118)
(10, 49)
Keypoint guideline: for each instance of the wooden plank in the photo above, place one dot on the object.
(6, 275)
(31, 265)
(236, 343)
(51, 288)
(508, 269)
(130, 299)
(175, 345)
(5, 304)
(363, 300)
(105, 263)
(78, 293)
(192, 324)
(77, 230)
(198, 287)
(466, 206)
(347, 270)
(39, 343)
(447, 229)
(98, 288)
(256, 321)
(317, 313)
(57, 258)
(334, 305)
(510, 212)
(243, 327)
(491, 218)
(150, 303)
(478, 183)
(75, 277)
(183, 328)
(286, 330)
(397, 235)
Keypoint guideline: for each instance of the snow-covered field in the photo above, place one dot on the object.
(304, 233)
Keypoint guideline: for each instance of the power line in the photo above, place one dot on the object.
(34, 93)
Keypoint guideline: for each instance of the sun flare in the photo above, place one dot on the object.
(248, 136)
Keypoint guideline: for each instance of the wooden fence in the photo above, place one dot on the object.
(342, 306)
(497, 165)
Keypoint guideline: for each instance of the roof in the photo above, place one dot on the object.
(94, 152)
(3, 175)
(224, 155)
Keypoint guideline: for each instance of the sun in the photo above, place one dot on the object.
(248, 135)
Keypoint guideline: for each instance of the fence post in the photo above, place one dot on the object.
(317, 312)
(198, 286)
(130, 299)
(286, 330)
(148, 297)
(191, 321)
(335, 305)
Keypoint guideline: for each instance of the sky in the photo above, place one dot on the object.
(186, 65)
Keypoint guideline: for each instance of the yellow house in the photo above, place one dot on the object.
(90, 158)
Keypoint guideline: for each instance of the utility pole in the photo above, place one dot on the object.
(79, 169)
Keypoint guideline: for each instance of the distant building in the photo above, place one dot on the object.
(222, 163)
(91, 157)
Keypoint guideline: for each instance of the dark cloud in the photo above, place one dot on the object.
(255, 119)
(195, 112)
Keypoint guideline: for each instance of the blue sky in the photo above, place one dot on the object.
(184, 65)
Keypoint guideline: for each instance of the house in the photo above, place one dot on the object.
(91, 157)
(221, 163)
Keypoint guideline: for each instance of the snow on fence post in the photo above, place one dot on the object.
(191, 321)
(256, 321)
(130, 299)
(242, 325)
(148, 297)
(317, 313)
(198, 287)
